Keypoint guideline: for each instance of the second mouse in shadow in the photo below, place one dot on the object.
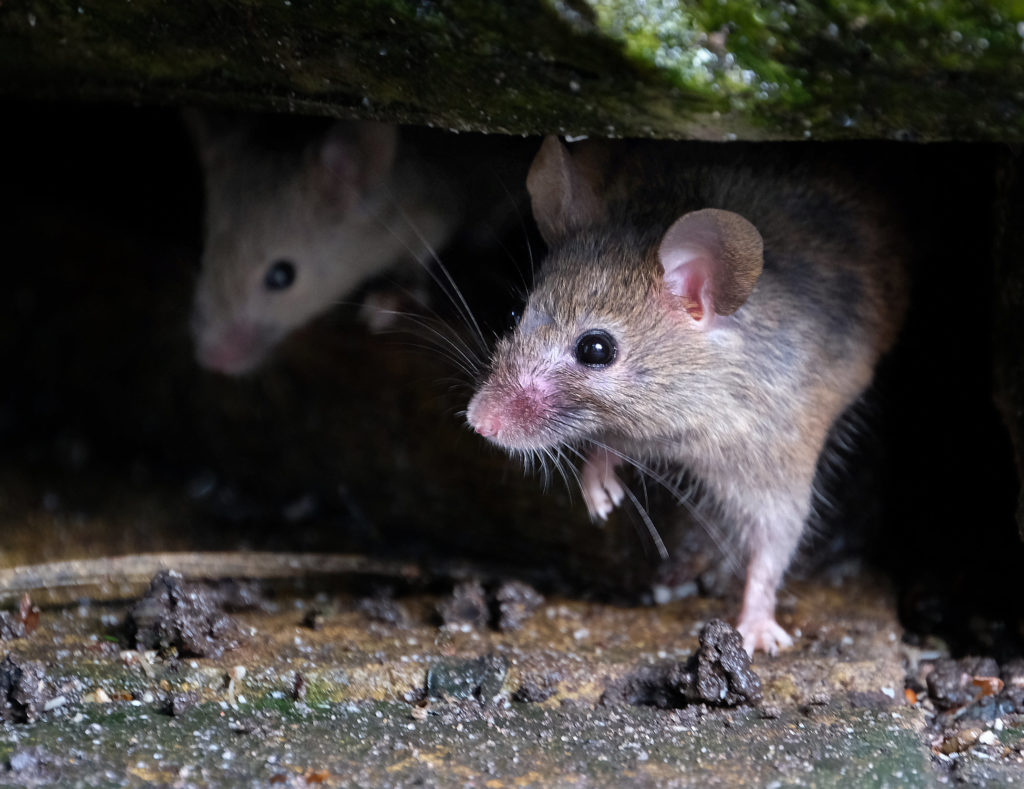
(299, 213)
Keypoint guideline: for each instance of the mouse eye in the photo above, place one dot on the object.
(595, 348)
(280, 275)
(512, 318)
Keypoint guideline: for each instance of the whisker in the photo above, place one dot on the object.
(525, 232)
(563, 463)
(652, 531)
(453, 360)
(445, 337)
(683, 498)
(549, 471)
(661, 479)
(458, 354)
(447, 284)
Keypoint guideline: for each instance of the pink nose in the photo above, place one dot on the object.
(488, 426)
(237, 349)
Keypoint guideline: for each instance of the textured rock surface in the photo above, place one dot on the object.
(621, 67)
(393, 704)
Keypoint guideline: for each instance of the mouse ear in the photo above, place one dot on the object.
(563, 192)
(711, 260)
(216, 135)
(355, 157)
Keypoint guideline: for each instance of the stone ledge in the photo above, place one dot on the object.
(774, 70)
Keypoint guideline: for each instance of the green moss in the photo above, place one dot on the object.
(704, 68)
(838, 69)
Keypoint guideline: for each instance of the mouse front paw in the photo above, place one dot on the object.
(602, 490)
(763, 633)
(381, 310)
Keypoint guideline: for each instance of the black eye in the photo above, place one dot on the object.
(595, 348)
(513, 318)
(280, 275)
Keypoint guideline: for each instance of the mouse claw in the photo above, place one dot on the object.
(601, 501)
(763, 633)
(602, 491)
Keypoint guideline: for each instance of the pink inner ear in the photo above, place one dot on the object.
(686, 278)
(337, 160)
(338, 173)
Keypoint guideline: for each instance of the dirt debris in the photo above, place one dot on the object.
(385, 609)
(21, 625)
(177, 616)
(480, 678)
(719, 675)
(11, 627)
(973, 725)
(954, 683)
(466, 607)
(535, 690)
(1013, 682)
(313, 619)
(31, 766)
(299, 688)
(23, 690)
(506, 608)
(179, 703)
(517, 601)
(724, 675)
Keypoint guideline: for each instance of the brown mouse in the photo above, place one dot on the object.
(700, 308)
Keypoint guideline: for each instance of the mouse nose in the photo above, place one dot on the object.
(488, 426)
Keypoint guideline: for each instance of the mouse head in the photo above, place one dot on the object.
(288, 234)
(624, 324)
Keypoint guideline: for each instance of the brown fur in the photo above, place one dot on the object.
(746, 405)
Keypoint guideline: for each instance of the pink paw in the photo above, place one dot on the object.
(602, 490)
(763, 633)
(380, 310)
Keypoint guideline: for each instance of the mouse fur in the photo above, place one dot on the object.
(738, 379)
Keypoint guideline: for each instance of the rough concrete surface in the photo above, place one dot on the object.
(346, 704)
(722, 70)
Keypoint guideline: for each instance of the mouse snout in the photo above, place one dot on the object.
(235, 349)
(514, 418)
(482, 416)
(488, 426)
